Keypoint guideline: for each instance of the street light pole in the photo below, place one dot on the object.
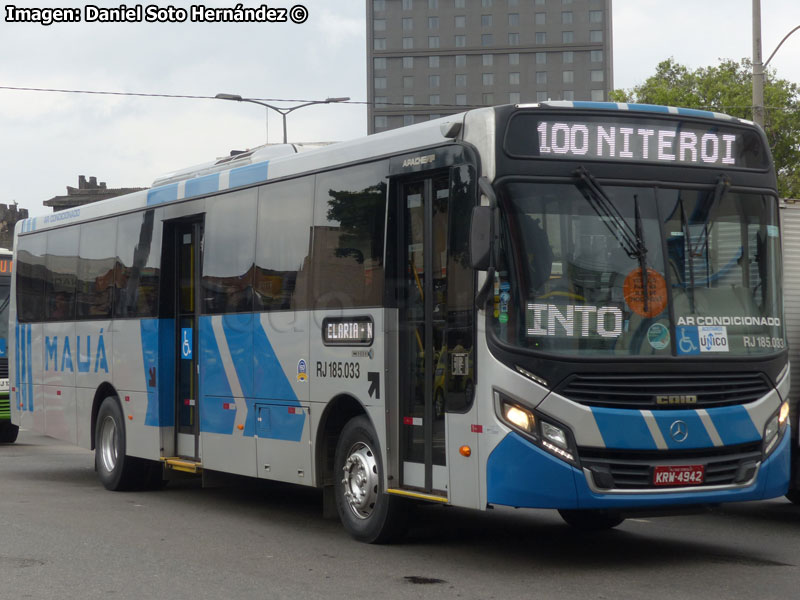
(758, 67)
(279, 109)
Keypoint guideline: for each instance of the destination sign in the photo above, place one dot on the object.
(348, 331)
(625, 138)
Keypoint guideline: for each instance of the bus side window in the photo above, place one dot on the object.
(138, 271)
(349, 223)
(61, 263)
(228, 253)
(283, 245)
(30, 273)
(95, 283)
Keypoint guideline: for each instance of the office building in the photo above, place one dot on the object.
(430, 58)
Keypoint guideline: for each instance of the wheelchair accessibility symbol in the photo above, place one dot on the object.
(688, 340)
(186, 343)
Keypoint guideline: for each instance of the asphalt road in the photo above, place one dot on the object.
(64, 536)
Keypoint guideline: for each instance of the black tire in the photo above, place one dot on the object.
(8, 433)
(117, 472)
(591, 520)
(794, 496)
(366, 511)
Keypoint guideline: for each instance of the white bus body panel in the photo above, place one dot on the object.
(790, 223)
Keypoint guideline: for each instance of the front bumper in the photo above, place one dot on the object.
(520, 474)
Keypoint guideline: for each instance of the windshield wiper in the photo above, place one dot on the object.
(631, 240)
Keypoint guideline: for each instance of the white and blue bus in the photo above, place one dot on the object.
(565, 305)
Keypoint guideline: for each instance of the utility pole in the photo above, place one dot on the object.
(758, 68)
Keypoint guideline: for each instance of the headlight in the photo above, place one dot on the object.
(520, 417)
(775, 428)
(783, 414)
(553, 438)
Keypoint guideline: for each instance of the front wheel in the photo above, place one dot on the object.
(366, 511)
(794, 496)
(591, 520)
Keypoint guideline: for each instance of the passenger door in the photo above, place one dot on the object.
(422, 270)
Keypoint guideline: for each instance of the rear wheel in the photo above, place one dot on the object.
(116, 471)
(591, 520)
(793, 496)
(366, 511)
(8, 433)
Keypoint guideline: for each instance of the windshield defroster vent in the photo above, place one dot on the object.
(661, 391)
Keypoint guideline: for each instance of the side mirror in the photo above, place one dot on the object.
(480, 237)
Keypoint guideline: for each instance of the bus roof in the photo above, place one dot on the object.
(285, 160)
(261, 165)
(646, 108)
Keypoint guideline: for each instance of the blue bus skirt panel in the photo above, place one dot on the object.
(521, 475)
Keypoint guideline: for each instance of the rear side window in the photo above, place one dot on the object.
(31, 250)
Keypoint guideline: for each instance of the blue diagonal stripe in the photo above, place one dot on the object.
(624, 429)
(734, 425)
(238, 330)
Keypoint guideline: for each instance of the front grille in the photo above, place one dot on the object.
(3, 368)
(641, 390)
(633, 470)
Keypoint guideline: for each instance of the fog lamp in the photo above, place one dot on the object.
(554, 434)
(775, 428)
(771, 430)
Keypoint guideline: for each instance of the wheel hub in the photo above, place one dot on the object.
(108, 444)
(360, 480)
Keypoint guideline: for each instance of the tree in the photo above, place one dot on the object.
(728, 88)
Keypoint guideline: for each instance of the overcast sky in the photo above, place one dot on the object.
(48, 139)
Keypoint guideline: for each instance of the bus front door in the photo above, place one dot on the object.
(423, 350)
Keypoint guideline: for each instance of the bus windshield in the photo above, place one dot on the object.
(625, 271)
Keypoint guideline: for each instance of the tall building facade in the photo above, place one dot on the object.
(430, 58)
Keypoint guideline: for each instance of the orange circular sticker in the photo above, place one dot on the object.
(656, 295)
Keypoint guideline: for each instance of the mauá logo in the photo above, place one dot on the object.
(61, 354)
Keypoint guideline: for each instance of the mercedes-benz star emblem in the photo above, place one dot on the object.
(679, 431)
